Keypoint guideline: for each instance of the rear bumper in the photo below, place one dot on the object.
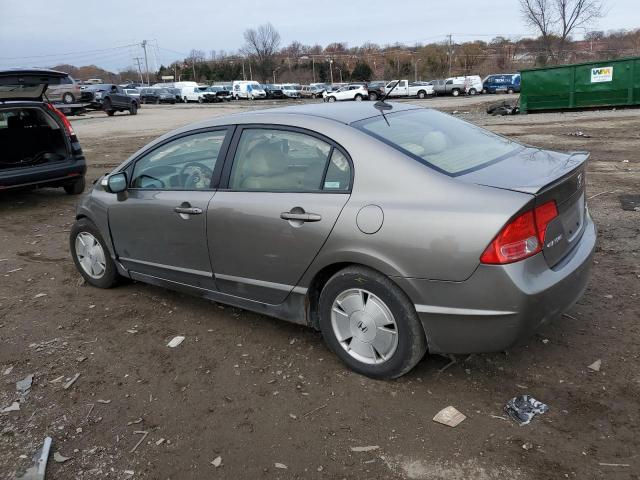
(500, 306)
(56, 174)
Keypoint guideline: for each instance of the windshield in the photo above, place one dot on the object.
(441, 141)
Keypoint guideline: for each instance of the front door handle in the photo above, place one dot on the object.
(188, 210)
(301, 217)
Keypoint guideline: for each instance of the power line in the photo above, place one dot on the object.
(67, 54)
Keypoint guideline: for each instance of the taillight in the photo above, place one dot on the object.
(63, 117)
(522, 237)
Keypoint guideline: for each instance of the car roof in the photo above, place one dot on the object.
(347, 112)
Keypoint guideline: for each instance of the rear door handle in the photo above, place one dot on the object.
(301, 217)
(188, 210)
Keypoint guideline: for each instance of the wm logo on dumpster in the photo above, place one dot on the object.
(601, 74)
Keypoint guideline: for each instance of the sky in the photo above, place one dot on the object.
(109, 33)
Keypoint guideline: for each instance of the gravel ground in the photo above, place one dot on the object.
(267, 397)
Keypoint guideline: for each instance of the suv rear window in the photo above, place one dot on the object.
(438, 140)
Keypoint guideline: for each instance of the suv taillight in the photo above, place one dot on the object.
(522, 237)
(63, 117)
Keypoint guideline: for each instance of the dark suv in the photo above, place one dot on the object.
(39, 146)
(112, 98)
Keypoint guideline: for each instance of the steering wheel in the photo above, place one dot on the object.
(199, 177)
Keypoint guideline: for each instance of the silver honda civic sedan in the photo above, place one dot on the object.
(393, 231)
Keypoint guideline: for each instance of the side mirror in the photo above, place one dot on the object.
(117, 182)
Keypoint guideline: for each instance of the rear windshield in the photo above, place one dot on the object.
(439, 140)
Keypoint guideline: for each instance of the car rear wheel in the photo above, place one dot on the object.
(473, 91)
(455, 92)
(370, 324)
(106, 106)
(91, 255)
(422, 94)
(68, 98)
(373, 96)
(75, 188)
(358, 98)
(133, 109)
(510, 91)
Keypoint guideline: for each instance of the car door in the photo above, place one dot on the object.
(160, 228)
(285, 190)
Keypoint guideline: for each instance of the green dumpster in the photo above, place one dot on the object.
(582, 85)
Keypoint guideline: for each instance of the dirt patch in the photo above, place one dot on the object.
(256, 391)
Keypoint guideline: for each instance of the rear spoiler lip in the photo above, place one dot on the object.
(534, 190)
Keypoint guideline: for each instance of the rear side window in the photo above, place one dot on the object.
(441, 141)
(287, 161)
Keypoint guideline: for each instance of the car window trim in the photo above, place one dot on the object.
(231, 153)
(215, 178)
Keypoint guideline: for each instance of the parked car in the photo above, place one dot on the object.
(272, 91)
(311, 91)
(448, 86)
(407, 88)
(176, 92)
(67, 91)
(157, 95)
(192, 93)
(39, 146)
(290, 91)
(504, 82)
(349, 92)
(112, 98)
(376, 89)
(248, 89)
(388, 233)
(133, 93)
(215, 94)
(473, 85)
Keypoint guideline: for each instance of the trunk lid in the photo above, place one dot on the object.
(548, 176)
(27, 84)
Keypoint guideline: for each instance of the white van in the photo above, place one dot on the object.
(473, 84)
(248, 89)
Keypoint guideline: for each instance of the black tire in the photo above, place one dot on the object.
(111, 276)
(133, 109)
(200, 100)
(358, 98)
(106, 106)
(331, 99)
(422, 94)
(510, 91)
(75, 188)
(472, 91)
(455, 92)
(144, 100)
(412, 343)
(373, 96)
(68, 98)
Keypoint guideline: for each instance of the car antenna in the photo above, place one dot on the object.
(381, 105)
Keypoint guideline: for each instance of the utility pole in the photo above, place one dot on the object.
(250, 72)
(450, 53)
(313, 68)
(331, 70)
(244, 77)
(146, 60)
(193, 66)
(137, 59)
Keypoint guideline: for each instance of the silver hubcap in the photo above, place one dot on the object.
(90, 255)
(364, 326)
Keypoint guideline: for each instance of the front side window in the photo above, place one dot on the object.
(439, 140)
(286, 161)
(186, 163)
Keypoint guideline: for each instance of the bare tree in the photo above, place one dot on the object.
(557, 19)
(262, 46)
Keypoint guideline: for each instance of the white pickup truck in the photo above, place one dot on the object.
(407, 88)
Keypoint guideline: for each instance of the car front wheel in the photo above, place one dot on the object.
(358, 98)
(68, 98)
(133, 109)
(370, 324)
(91, 256)
(331, 99)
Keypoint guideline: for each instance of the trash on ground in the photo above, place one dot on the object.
(523, 408)
(175, 341)
(40, 295)
(38, 470)
(449, 416)
(103, 401)
(595, 366)
(368, 448)
(217, 462)
(579, 133)
(14, 407)
(630, 203)
(59, 458)
(71, 382)
(160, 442)
(503, 108)
(527, 446)
(144, 435)
(602, 464)
(8, 370)
(281, 465)
(24, 385)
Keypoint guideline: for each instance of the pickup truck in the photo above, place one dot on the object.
(407, 88)
(112, 98)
